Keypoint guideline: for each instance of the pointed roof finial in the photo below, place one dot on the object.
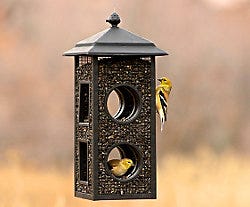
(114, 19)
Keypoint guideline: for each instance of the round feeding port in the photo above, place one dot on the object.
(123, 162)
(123, 103)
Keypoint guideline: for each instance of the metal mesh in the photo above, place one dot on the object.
(113, 71)
(134, 72)
(85, 60)
(83, 132)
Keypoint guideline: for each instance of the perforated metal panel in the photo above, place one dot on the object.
(133, 135)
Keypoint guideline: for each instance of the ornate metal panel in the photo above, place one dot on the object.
(83, 131)
(135, 133)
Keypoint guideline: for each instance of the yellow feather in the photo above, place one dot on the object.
(120, 167)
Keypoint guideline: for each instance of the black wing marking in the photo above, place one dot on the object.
(164, 104)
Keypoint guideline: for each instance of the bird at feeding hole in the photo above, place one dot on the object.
(120, 167)
(162, 93)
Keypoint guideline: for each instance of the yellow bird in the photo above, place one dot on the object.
(162, 94)
(120, 167)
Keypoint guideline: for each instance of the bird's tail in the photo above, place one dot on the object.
(163, 118)
(162, 123)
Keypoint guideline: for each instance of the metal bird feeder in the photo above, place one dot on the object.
(119, 61)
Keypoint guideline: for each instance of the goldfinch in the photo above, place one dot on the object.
(162, 94)
(120, 167)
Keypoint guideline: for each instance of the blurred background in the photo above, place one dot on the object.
(204, 150)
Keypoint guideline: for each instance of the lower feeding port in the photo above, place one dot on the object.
(123, 162)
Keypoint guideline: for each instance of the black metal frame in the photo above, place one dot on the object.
(92, 187)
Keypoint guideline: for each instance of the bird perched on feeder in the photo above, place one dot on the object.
(162, 94)
(120, 167)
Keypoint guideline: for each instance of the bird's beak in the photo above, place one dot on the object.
(159, 79)
(133, 164)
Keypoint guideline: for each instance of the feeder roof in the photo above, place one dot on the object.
(115, 41)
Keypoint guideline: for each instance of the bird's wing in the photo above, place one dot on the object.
(163, 98)
(161, 104)
(114, 162)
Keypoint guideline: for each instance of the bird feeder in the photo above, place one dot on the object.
(114, 61)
